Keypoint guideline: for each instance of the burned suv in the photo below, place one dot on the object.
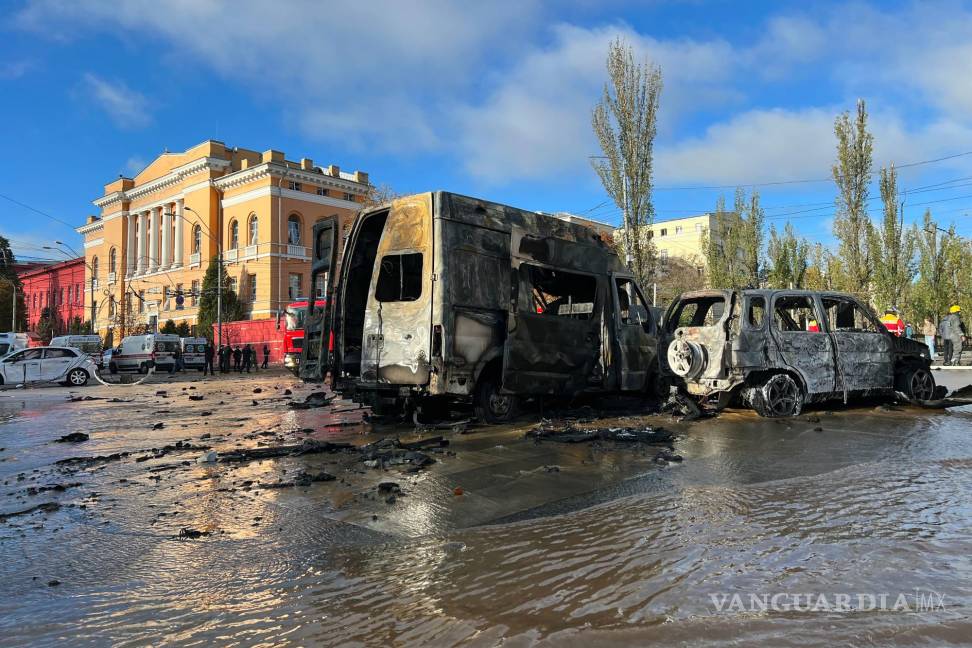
(778, 349)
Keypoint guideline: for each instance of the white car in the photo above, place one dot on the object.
(47, 364)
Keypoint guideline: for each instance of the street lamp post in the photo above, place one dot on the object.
(219, 272)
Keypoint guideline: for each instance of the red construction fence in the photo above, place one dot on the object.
(255, 333)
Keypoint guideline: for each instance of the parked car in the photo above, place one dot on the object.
(46, 364)
(141, 352)
(10, 342)
(447, 297)
(194, 352)
(778, 349)
(90, 344)
(107, 355)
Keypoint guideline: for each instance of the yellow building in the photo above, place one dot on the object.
(157, 232)
(680, 238)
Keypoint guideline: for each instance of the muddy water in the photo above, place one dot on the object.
(609, 548)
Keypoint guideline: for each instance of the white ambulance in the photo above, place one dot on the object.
(90, 344)
(194, 352)
(141, 352)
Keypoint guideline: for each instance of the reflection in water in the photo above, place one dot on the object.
(757, 508)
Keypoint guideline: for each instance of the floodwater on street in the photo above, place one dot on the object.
(501, 540)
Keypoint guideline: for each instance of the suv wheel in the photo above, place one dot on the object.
(779, 396)
(77, 377)
(491, 405)
(919, 385)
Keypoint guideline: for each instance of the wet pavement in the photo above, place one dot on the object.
(501, 540)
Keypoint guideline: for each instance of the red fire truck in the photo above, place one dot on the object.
(294, 333)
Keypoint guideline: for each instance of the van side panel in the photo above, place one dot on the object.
(476, 293)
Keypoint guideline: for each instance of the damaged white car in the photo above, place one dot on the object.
(778, 349)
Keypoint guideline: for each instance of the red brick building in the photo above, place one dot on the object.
(59, 286)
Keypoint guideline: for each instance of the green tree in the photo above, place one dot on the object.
(734, 247)
(852, 173)
(48, 324)
(9, 282)
(893, 247)
(169, 327)
(182, 329)
(624, 123)
(232, 308)
(940, 269)
(789, 259)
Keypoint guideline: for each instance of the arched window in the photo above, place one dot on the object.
(196, 239)
(254, 230)
(234, 235)
(112, 260)
(94, 268)
(293, 229)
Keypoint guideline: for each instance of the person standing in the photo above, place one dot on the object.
(247, 358)
(209, 352)
(237, 359)
(928, 330)
(266, 355)
(955, 335)
(178, 358)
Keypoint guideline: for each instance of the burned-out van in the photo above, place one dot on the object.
(777, 349)
(442, 296)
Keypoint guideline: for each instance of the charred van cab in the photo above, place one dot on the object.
(777, 349)
(442, 296)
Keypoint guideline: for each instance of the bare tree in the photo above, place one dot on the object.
(624, 123)
(852, 173)
(380, 194)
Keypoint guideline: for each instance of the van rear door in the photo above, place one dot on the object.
(314, 355)
(398, 318)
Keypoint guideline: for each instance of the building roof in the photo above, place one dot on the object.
(51, 268)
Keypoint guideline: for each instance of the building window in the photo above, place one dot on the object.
(233, 285)
(698, 228)
(663, 232)
(251, 287)
(94, 268)
(663, 254)
(293, 289)
(141, 301)
(319, 286)
(111, 307)
(34, 300)
(234, 234)
(196, 239)
(178, 295)
(321, 191)
(77, 294)
(678, 230)
(294, 186)
(254, 230)
(195, 292)
(293, 229)
(349, 196)
(112, 260)
(60, 297)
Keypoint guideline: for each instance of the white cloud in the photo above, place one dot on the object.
(126, 107)
(134, 165)
(11, 70)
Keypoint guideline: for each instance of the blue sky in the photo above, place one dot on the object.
(490, 99)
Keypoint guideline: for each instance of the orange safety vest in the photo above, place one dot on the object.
(893, 323)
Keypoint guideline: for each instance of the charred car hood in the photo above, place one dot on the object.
(908, 347)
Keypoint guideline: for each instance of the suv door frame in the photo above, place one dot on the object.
(629, 341)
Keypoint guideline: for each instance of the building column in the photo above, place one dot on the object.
(140, 259)
(153, 255)
(180, 244)
(131, 247)
(166, 236)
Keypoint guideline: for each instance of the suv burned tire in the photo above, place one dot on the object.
(490, 404)
(918, 384)
(779, 396)
(686, 358)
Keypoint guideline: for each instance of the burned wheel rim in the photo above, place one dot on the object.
(922, 385)
(77, 377)
(782, 396)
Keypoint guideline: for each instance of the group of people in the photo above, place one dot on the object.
(238, 358)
